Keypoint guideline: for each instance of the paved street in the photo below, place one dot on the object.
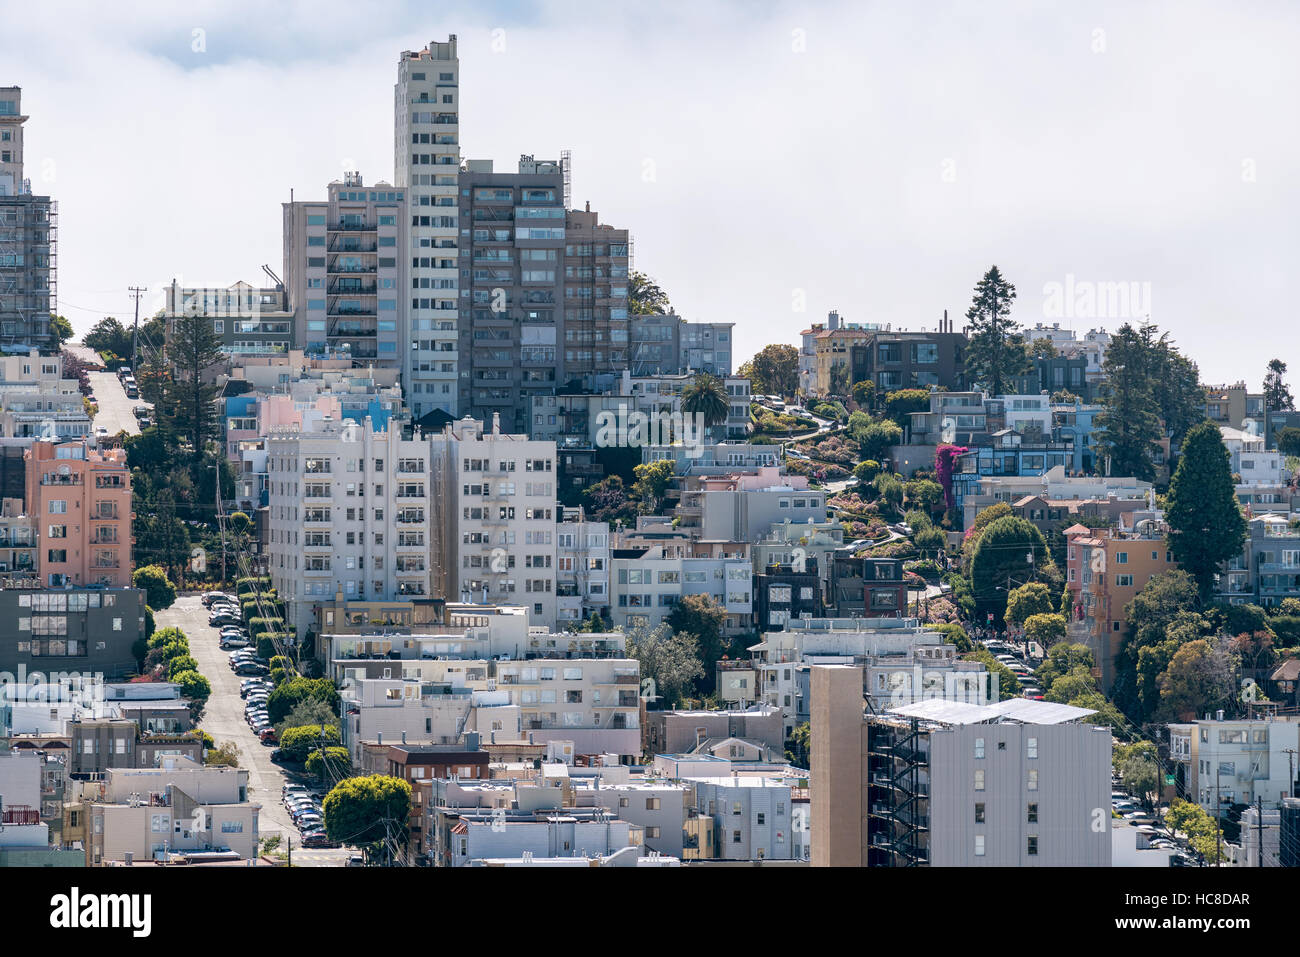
(115, 409)
(224, 720)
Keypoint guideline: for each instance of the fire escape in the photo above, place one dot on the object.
(898, 796)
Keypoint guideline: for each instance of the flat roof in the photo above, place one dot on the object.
(1022, 710)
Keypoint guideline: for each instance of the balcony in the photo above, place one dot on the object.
(351, 227)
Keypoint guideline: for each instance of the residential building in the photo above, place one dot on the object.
(647, 582)
(670, 345)
(598, 335)
(495, 511)
(28, 240)
(23, 825)
(346, 276)
(743, 506)
(756, 817)
(899, 359)
(248, 320)
(1105, 569)
(1262, 480)
(17, 543)
(81, 496)
(1268, 568)
(901, 662)
(682, 732)
(974, 491)
(865, 587)
(461, 836)
(582, 567)
(426, 148)
(37, 402)
(350, 514)
(88, 630)
(176, 810)
(810, 544)
(1218, 762)
(950, 784)
(510, 319)
(783, 592)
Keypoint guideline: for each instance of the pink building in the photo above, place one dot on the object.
(79, 500)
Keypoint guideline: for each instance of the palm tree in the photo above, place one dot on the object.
(706, 397)
(645, 297)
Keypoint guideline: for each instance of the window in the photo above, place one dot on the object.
(1032, 749)
(979, 747)
(979, 813)
(652, 804)
(1032, 848)
(652, 832)
(761, 819)
(979, 845)
(1121, 558)
(979, 780)
(735, 837)
(1033, 779)
(1032, 815)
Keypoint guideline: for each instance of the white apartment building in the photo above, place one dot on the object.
(755, 816)
(593, 702)
(37, 402)
(426, 152)
(349, 514)
(646, 582)
(495, 513)
(1219, 763)
(582, 566)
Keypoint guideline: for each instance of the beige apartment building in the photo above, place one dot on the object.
(79, 498)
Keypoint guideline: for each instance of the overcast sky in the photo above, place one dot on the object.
(772, 160)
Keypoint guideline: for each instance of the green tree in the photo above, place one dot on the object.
(874, 439)
(839, 379)
(930, 542)
(1045, 630)
(1107, 714)
(900, 405)
(1010, 552)
(608, 501)
(925, 494)
(774, 370)
(703, 617)
(337, 761)
(671, 660)
(1206, 527)
(1031, 598)
(644, 297)
(1063, 658)
(996, 351)
(189, 396)
(193, 685)
(311, 711)
(296, 741)
(295, 691)
(889, 490)
(652, 481)
(1043, 348)
(160, 593)
(1008, 683)
(1070, 687)
(1288, 441)
(1139, 768)
(181, 663)
(109, 335)
(367, 809)
(798, 747)
(168, 635)
(1128, 427)
(864, 393)
(707, 398)
(61, 330)
(225, 756)
(1277, 396)
(1198, 679)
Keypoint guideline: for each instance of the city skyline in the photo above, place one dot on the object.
(1186, 205)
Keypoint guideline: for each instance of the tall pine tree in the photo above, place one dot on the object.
(1206, 527)
(1277, 397)
(997, 349)
(1128, 428)
(193, 348)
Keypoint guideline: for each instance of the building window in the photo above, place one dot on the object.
(979, 747)
(979, 845)
(1032, 750)
(979, 813)
(979, 780)
(1032, 816)
(1033, 779)
(1032, 848)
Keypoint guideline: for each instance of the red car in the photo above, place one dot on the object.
(268, 736)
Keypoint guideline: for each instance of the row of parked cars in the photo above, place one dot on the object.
(1028, 684)
(256, 692)
(305, 810)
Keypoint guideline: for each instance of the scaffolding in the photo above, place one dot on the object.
(29, 227)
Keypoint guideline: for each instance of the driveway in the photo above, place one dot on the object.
(223, 718)
(115, 409)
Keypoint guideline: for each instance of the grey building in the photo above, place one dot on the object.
(680, 732)
(346, 274)
(597, 329)
(84, 630)
(250, 321)
(671, 345)
(510, 323)
(1268, 568)
(755, 817)
(28, 239)
(951, 784)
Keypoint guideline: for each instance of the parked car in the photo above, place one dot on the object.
(310, 822)
(269, 737)
(356, 860)
(317, 838)
(251, 668)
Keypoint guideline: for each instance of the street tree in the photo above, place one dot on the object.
(997, 349)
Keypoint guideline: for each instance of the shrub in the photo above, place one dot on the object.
(927, 568)
(257, 626)
(160, 593)
(866, 471)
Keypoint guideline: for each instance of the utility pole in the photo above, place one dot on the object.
(1290, 777)
(136, 291)
(1259, 827)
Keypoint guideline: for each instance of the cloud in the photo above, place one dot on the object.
(877, 157)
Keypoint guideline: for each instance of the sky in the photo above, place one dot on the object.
(773, 161)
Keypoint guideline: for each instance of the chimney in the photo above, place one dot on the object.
(496, 423)
(403, 737)
(379, 737)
